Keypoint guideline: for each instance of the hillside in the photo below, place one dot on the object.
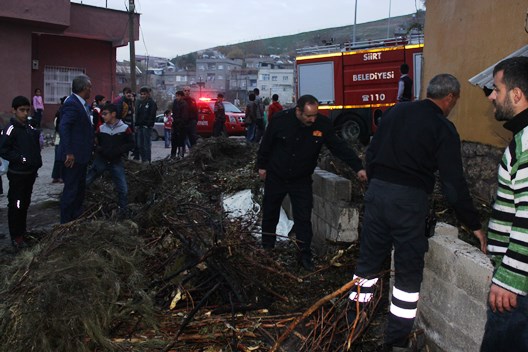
(286, 45)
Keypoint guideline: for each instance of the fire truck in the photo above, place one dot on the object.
(356, 83)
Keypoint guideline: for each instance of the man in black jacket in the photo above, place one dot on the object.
(20, 145)
(286, 161)
(146, 110)
(413, 141)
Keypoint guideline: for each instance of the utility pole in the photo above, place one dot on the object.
(132, 44)
(389, 21)
(354, 30)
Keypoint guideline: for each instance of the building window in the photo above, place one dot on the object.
(265, 77)
(284, 78)
(274, 78)
(210, 77)
(58, 81)
(211, 66)
(200, 67)
(220, 66)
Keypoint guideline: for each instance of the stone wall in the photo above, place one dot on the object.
(480, 167)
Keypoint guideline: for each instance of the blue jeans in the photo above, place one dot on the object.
(507, 331)
(250, 132)
(167, 137)
(143, 142)
(117, 170)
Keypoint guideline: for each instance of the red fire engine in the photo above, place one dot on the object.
(355, 84)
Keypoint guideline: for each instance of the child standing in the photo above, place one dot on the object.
(114, 139)
(19, 144)
(167, 128)
(38, 107)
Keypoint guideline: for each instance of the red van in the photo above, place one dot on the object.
(234, 125)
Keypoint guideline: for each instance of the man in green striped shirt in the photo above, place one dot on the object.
(507, 325)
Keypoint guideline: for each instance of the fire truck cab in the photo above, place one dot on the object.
(355, 84)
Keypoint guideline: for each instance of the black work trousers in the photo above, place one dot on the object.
(19, 198)
(300, 192)
(395, 216)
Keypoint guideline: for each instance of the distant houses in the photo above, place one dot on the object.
(215, 74)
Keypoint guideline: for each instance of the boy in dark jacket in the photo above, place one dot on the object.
(20, 145)
(114, 139)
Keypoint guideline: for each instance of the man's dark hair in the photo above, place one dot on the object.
(180, 93)
(166, 112)
(110, 108)
(144, 89)
(256, 91)
(306, 99)
(442, 85)
(98, 98)
(252, 97)
(20, 101)
(79, 83)
(220, 95)
(404, 69)
(127, 90)
(275, 97)
(515, 73)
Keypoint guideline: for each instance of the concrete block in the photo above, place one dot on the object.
(473, 273)
(454, 305)
(443, 334)
(330, 186)
(446, 230)
(440, 257)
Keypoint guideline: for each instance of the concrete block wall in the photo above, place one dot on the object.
(453, 296)
(334, 218)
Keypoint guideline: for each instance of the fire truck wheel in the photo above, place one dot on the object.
(352, 131)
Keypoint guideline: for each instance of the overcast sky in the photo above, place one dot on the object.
(175, 27)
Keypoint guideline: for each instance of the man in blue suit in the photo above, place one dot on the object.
(75, 148)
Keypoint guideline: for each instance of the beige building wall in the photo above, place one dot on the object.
(463, 38)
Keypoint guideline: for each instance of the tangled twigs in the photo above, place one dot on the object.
(312, 309)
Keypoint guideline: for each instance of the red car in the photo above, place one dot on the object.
(234, 125)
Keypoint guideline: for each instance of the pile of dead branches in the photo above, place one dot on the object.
(95, 284)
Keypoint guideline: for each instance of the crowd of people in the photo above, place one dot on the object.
(414, 141)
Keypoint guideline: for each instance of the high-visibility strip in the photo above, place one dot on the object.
(375, 50)
(405, 296)
(317, 56)
(365, 282)
(18, 204)
(414, 46)
(9, 130)
(362, 297)
(403, 313)
(340, 107)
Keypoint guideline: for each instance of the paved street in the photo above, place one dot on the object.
(47, 194)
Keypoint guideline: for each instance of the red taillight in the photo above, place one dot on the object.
(204, 99)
